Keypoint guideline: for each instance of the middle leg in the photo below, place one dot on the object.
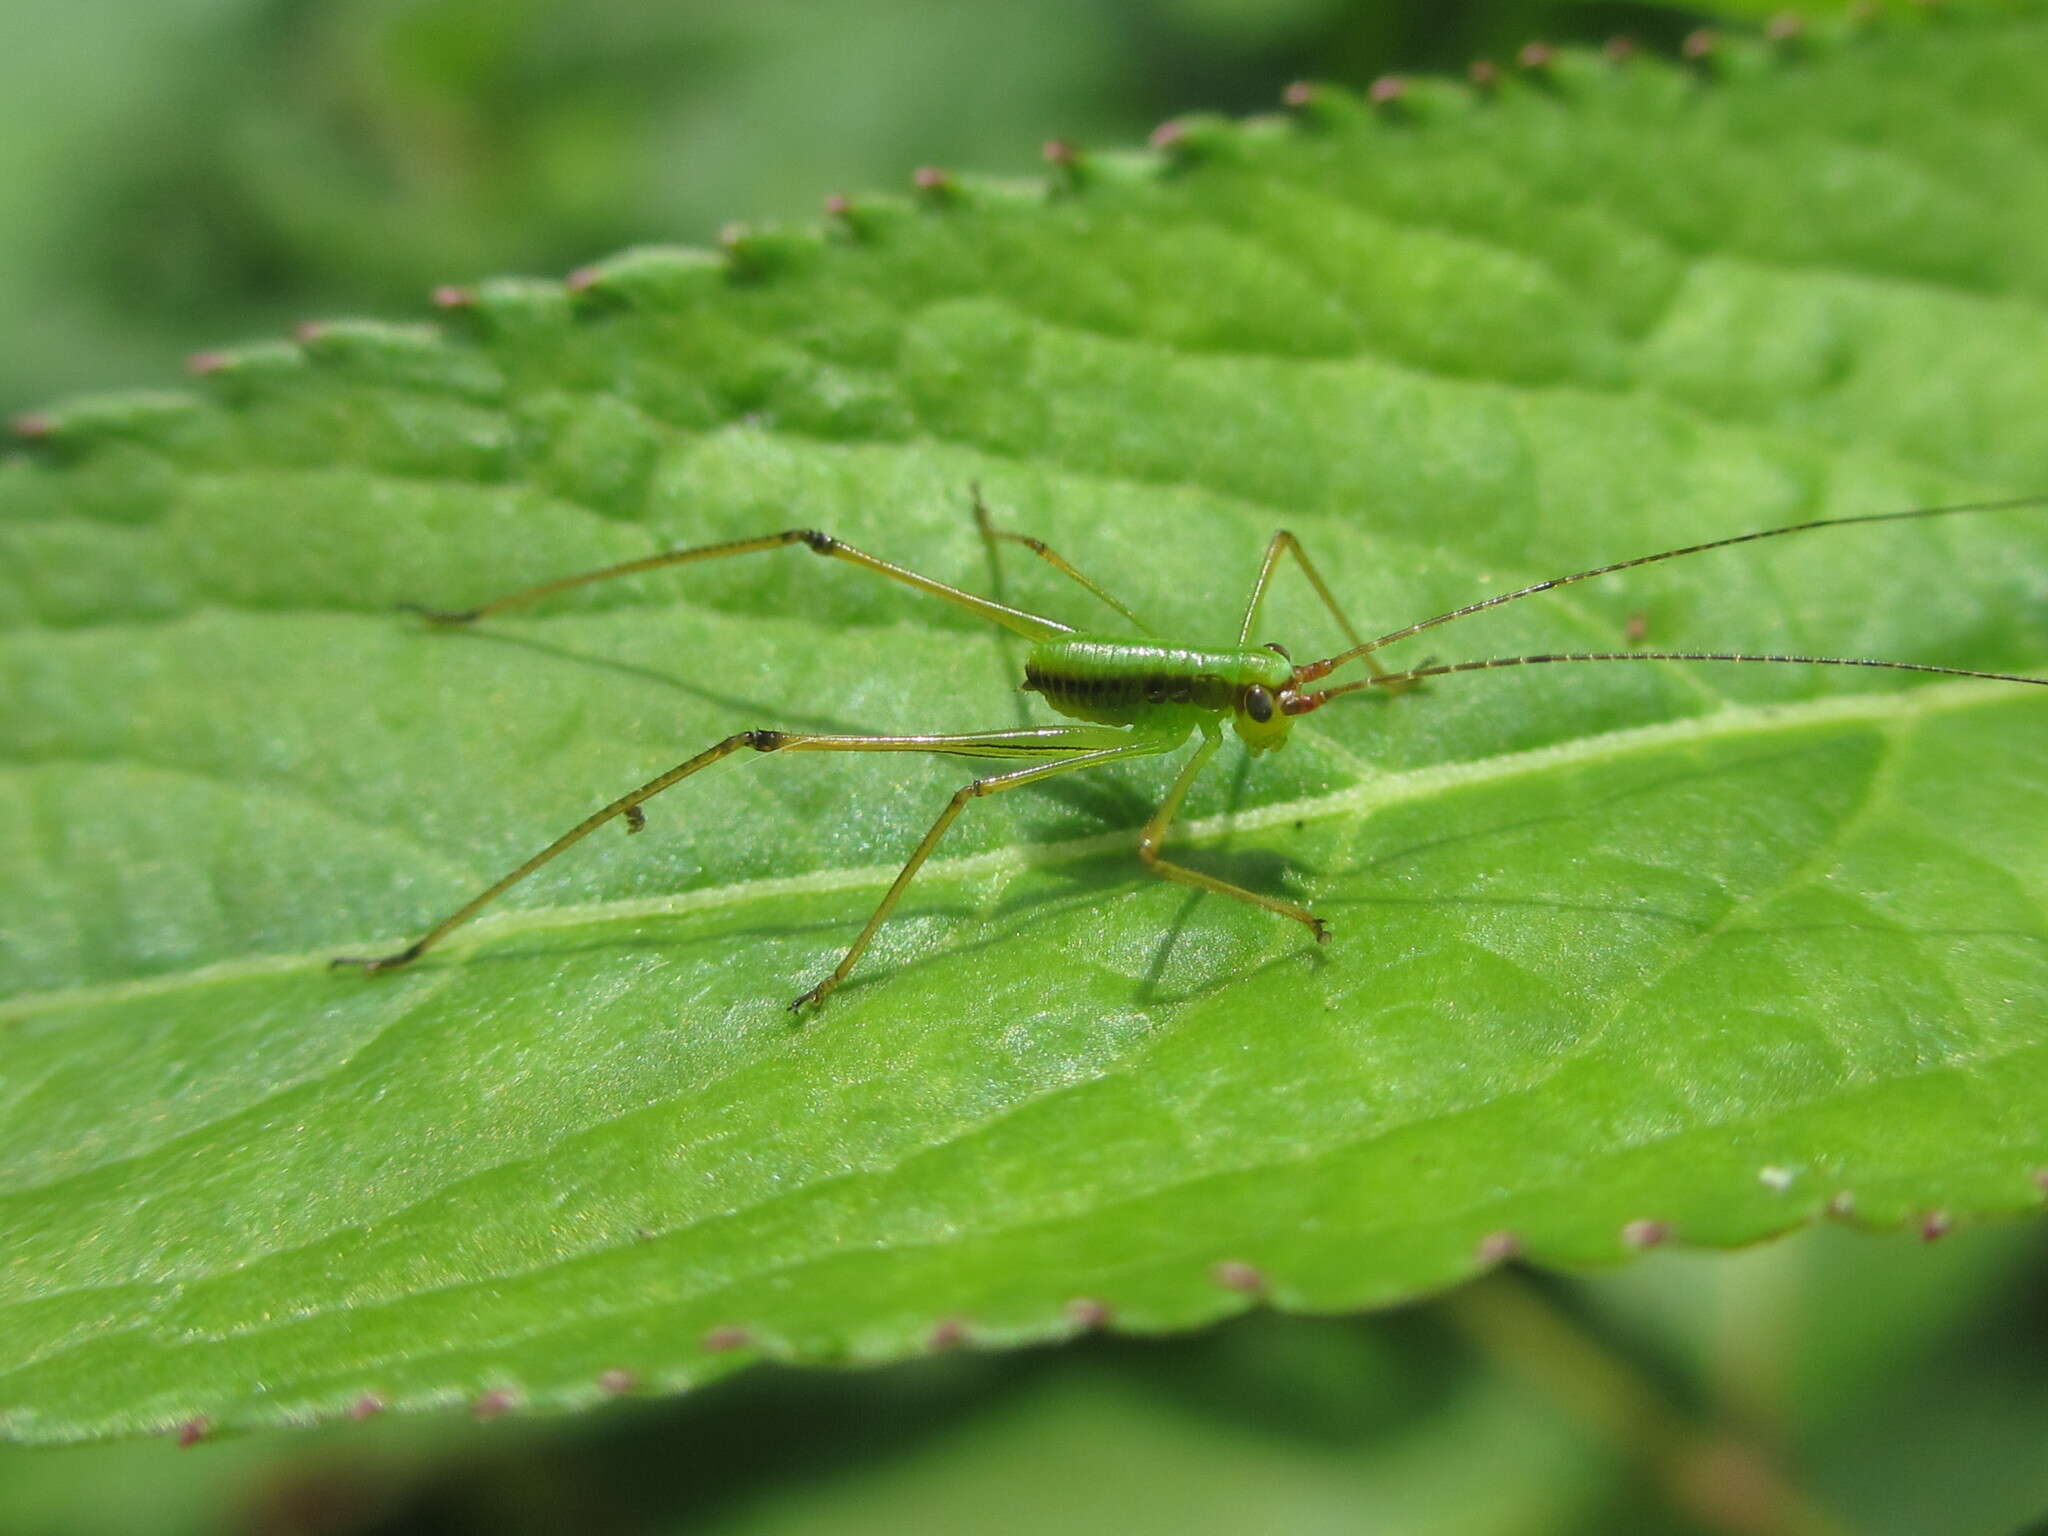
(1153, 838)
(1280, 544)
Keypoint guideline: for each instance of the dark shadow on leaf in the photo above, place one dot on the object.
(770, 715)
(1148, 992)
(1309, 956)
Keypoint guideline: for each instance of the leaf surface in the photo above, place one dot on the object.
(1621, 952)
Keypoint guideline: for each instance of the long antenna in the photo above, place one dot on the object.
(1301, 704)
(1315, 669)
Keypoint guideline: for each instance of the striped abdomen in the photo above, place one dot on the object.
(1132, 682)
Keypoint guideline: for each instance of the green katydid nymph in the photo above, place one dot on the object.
(1132, 695)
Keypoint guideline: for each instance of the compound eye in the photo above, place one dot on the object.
(1278, 650)
(1258, 703)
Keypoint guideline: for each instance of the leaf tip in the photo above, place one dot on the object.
(1069, 164)
(848, 219)
(1183, 142)
(1497, 1248)
(1168, 134)
(724, 1339)
(1236, 1275)
(755, 252)
(1315, 104)
(646, 277)
(744, 249)
(1645, 1233)
(935, 186)
(1087, 1312)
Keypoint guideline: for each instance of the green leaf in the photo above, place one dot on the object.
(1621, 952)
(1836, 1343)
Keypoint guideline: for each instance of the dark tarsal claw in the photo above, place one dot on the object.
(442, 615)
(636, 819)
(370, 965)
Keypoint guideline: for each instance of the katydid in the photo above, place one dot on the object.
(1133, 695)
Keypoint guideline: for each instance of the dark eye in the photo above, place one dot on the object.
(1278, 650)
(1258, 703)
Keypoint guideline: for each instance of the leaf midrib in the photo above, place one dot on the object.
(1362, 799)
